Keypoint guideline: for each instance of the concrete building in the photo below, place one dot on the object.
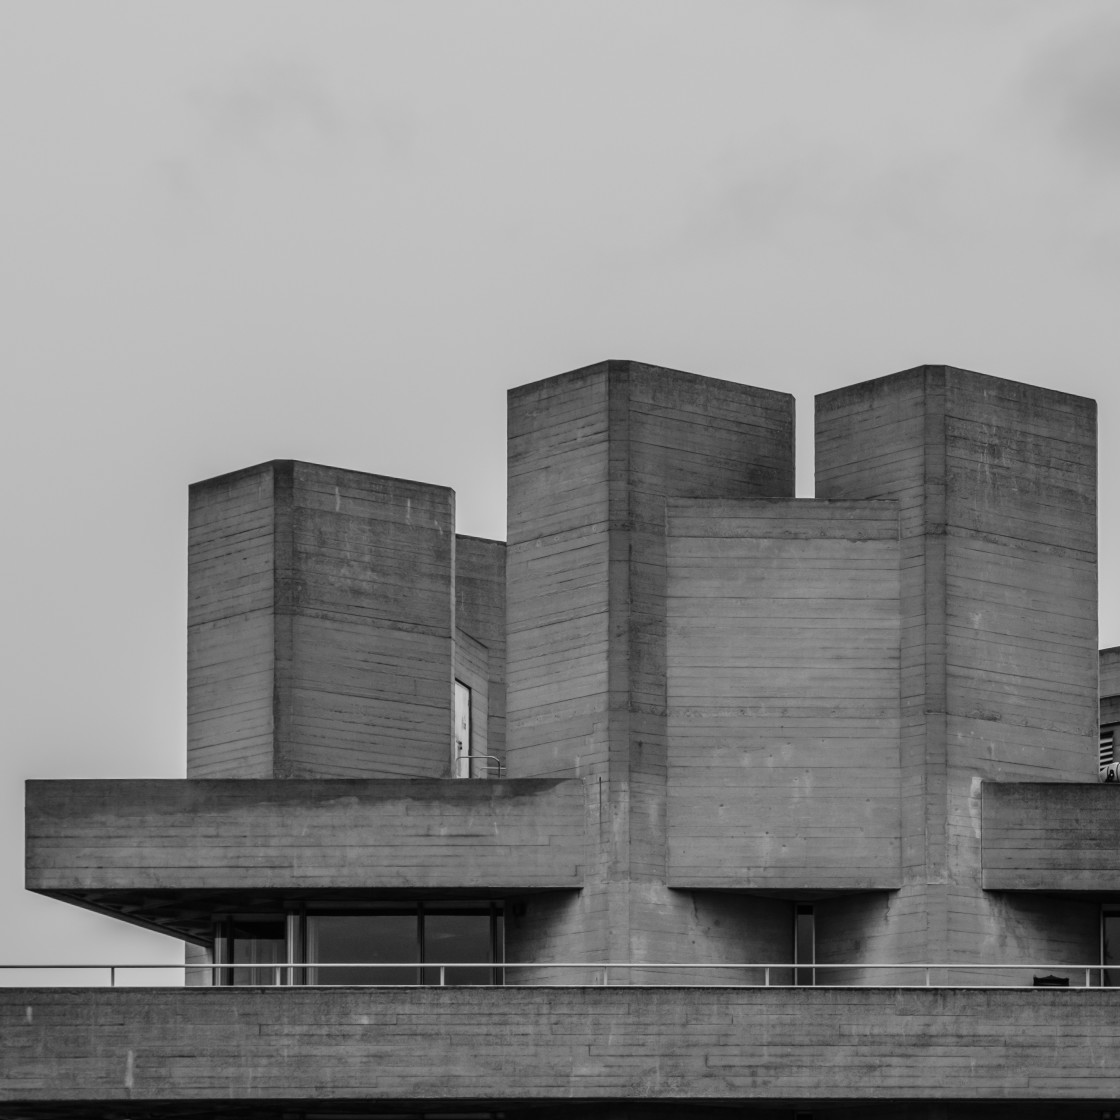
(691, 799)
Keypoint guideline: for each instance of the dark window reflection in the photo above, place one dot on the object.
(258, 942)
(449, 942)
(457, 937)
(804, 943)
(353, 939)
(1110, 947)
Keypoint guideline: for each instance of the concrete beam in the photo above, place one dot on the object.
(294, 834)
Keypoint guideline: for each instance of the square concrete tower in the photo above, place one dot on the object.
(996, 486)
(593, 456)
(321, 625)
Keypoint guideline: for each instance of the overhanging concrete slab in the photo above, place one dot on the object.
(1051, 837)
(247, 835)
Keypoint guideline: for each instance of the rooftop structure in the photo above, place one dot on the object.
(691, 799)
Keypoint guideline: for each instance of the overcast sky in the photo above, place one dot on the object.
(235, 231)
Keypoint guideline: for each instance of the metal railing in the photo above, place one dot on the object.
(612, 974)
(494, 766)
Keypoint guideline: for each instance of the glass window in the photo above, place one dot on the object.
(353, 940)
(1110, 946)
(804, 943)
(452, 938)
(372, 943)
(258, 943)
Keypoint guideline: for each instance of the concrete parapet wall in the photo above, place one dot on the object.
(561, 1044)
(244, 834)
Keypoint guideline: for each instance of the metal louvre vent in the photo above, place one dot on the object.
(1107, 756)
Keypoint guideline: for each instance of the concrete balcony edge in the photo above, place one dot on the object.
(537, 1044)
(1052, 837)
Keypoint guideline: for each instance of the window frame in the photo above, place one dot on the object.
(294, 917)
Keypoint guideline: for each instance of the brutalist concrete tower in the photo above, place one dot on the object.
(996, 488)
(593, 457)
(695, 799)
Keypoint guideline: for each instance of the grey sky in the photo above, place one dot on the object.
(235, 231)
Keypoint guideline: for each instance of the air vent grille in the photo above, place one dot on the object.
(1108, 768)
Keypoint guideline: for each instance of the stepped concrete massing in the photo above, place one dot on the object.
(693, 799)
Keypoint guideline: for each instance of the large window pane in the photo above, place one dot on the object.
(255, 941)
(359, 939)
(394, 942)
(804, 943)
(458, 937)
(1110, 946)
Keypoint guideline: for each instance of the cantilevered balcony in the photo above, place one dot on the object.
(159, 852)
(1051, 837)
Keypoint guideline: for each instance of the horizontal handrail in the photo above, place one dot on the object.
(284, 974)
(493, 763)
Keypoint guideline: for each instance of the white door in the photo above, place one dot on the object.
(462, 763)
